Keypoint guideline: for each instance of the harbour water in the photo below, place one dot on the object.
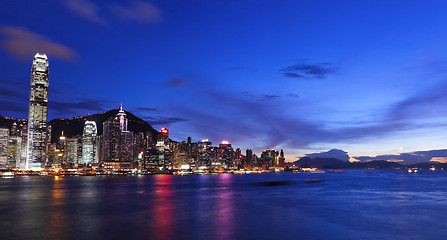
(347, 205)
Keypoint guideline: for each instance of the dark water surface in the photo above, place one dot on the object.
(348, 205)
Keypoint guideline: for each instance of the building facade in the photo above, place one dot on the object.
(38, 113)
(89, 143)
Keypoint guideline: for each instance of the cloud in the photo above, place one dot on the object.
(16, 107)
(238, 68)
(164, 121)
(23, 44)
(138, 11)
(270, 97)
(72, 107)
(293, 75)
(293, 95)
(407, 158)
(12, 94)
(145, 109)
(308, 71)
(333, 153)
(176, 82)
(85, 9)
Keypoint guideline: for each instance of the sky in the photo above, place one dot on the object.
(367, 77)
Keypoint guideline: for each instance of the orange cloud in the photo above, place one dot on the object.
(439, 159)
(23, 44)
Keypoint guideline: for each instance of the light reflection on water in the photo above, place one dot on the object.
(349, 205)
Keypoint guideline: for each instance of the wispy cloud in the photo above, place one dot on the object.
(138, 11)
(238, 68)
(308, 71)
(163, 121)
(85, 9)
(145, 109)
(22, 44)
(74, 106)
(176, 82)
(411, 157)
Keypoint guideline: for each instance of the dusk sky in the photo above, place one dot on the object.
(368, 77)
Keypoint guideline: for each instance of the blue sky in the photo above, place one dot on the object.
(368, 77)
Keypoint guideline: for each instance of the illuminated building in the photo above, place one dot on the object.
(204, 155)
(74, 150)
(4, 140)
(89, 143)
(269, 157)
(38, 112)
(62, 156)
(111, 140)
(126, 146)
(122, 117)
(225, 155)
(14, 151)
(163, 148)
(117, 141)
(249, 157)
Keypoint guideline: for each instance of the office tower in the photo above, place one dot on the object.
(74, 153)
(122, 117)
(89, 143)
(163, 147)
(126, 146)
(14, 151)
(111, 140)
(117, 141)
(204, 152)
(38, 112)
(269, 157)
(62, 159)
(225, 155)
(249, 157)
(281, 159)
(4, 140)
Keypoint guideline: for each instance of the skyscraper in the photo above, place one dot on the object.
(89, 143)
(4, 139)
(38, 112)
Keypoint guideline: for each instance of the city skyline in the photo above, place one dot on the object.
(367, 78)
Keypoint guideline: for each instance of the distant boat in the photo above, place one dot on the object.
(432, 169)
(8, 175)
(414, 170)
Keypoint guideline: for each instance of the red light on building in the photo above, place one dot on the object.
(240, 156)
(164, 131)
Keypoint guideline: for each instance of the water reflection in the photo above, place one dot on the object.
(57, 217)
(224, 221)
(162, 208)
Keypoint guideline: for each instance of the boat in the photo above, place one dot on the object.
(414, 170)
(8, 175)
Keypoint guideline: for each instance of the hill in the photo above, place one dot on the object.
(75, 125)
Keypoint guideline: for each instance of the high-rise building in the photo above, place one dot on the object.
(117, 142)
(14, 151)
(111, 140)
(122, 117)
(225, 155)
(4, 140)
(163, 148)
(89, 143)
(204, 152)
(38, 112)
(74, 152)
(269, 157)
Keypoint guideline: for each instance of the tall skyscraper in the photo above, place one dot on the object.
(123, 119)
(38, 112)
(4, 140)
(89, 143)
